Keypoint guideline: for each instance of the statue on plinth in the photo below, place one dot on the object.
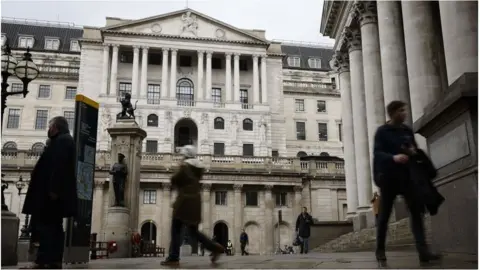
(128, 111)
(119, 175)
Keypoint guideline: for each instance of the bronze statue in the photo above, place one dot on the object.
(119, 173)
(127, 109)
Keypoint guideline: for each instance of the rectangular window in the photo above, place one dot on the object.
(216, 63)
(13, 120)
(185, 61)
(281, 199)
(52, 44)
(315, 63)
(124, 88)
(299, 105)
(322, 132)
(126, 57)
(70, 92)
(25, 42)
(154, 59)
(334, 85)
(149, 196)
(275, 153)
(44, 91)
(74, 46)
(16, 87)
(41, 119)
(340, 132)
(220, 198)
(251, 198)
(217, 95)
(153, 94)
(244, 96)
(248, 150)
(70, 116)
(152, 146)
(219, 149)
(293, 61)
(301, 134)
(321, 106)
(243, 64)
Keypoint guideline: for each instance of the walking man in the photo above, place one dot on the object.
(52, 194)
(243, 242)
(302, 228)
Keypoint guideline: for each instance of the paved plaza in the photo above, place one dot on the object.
(354, 260)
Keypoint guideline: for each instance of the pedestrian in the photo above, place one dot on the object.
(52, 194)
(302, 227)
(394, 146)
(187, 207)
(243, 242)
(229, 248)
(375, 203)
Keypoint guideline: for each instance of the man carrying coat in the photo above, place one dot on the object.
(302, 228)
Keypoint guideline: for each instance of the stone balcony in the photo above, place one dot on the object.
(167, 161)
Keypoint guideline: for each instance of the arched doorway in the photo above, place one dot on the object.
(301, 154)
(255, 237)
(186, 133)
(149, 232)
(220, 231)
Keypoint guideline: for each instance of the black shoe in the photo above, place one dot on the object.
(380, 255)
(170, 262)
(427, 257)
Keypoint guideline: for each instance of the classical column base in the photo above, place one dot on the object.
(10, 224)
(118, 230)
(363, 219)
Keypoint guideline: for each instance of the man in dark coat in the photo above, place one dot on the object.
(187, 207)
(302, 228)
(394, 147)
(52, 194)
(243, 242)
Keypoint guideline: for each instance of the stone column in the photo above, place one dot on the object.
(114, 71)
(207, 216)
(173, 74)
(236, 77)
(164, 89)
(460, 37)
(143, 80)
(297, 204)
(238, 217)
(341, 63)
(264, 79)
(106, 58)
(200, 94)
(228, 77)
(392, 50)
(208, 81)
(256, 94)
(136, 57)
(269, 229)
(362, 160)
(97, 215)
(166, 221)
(423, 68)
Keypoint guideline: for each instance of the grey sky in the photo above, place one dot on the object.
(297, 20)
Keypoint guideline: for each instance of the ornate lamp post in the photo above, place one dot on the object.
(20, 184)
(25, 70)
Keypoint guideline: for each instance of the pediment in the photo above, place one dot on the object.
(186, 23)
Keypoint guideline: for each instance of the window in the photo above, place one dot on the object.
(70, 116)
(301, 131)
(247, 124)
(185, 90)
(244, 96)
(344, 211)
(25, 42)
(126, 57)
(152, 146)
(185, 61)
(4, 39)
(149, 196)
(216, 63)
(301, 154)
(293, 61)
(41, 119)
(243, 65)
(248, 150)
(74, 46)
(70, 92)
(321, 106)
(124, 88)
(17, 87)
(315, 62)
(299, 105)
(218, 149)
(275, 153)
(218, 123)
(154, 59)
(44, 91)
(152, 120)
(153, 94)
(322, 132)
(220, 198)
(9, 146)
(340, 131)
(52, 44)
(281, 199)
(217, 95)
(38, 147)
(251, 198)
(13, 120)
(334, 85)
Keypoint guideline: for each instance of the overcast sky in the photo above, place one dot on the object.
(297, 20)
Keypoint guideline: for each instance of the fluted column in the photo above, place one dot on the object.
(392, 51)
(143, 80)
(105, 66)
(256, 94)
(341, 64)
(200, 95)
(269, 229)
(207, 216)
(236, 77)
(166, 221)
(228, 77)
(135, 67)
(238, 217)
(362, 160)
(114, 71)
(264, 79)
(208, 80)
(420, 44)
(97, 208)
(460, 37)
(173, 73)
(164, 89)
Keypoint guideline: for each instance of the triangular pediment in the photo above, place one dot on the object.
(186, 23)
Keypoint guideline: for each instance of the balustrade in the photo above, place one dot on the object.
(300, 84)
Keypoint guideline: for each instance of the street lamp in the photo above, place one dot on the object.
(25, 233)
(25, 70)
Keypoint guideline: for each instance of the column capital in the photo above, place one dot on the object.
(353, 38)
(365, 12)
(264, 57)
(114, 45)
(99, 184)
(206, 187)
(237, 187)
(167, 186)
(268, 187)
(106, 46)
(236, 55)
(228, 54)
(136, 49)
(209, 53)
(340, 62)
(297, 188)
(145, 48)
(200, 53)
(173, 50)
(165, 50)
(255, 56)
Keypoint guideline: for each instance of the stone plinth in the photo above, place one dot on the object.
(185, 250)
(23, 250)
(118, 230)
(10, 223)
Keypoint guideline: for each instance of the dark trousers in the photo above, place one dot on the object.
(242, 247)
(49, 229)
(177, 239)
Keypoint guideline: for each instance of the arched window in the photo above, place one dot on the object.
(10, 146)
(324, 154)
(152, 120)
(38, 147)
(218, 123)
(185, 90)
(247, 124)
(301, 154)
